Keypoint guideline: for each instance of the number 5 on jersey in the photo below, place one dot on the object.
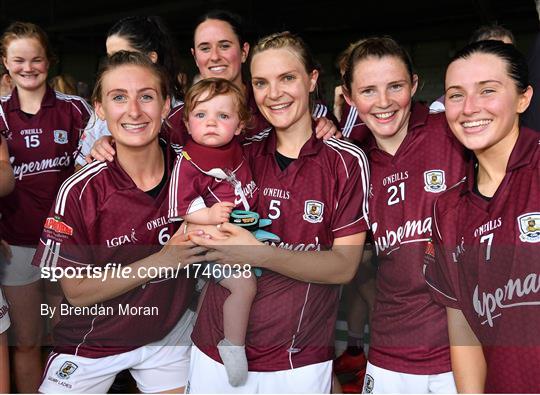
(273, 211)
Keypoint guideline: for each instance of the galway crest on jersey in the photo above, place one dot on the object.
(313, 211)
(60, 137)
(434, 181)
(529, 227)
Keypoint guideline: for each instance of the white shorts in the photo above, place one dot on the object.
(383, 381)
(207, 376)
(156, 367)
(4, 316)
(18, 270)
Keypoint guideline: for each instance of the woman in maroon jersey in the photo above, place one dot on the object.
(150, 36)
(488, 226)
(111, 214)
(42, 129)
(413, 157)
(219, 50)
(7, 182)
(315, 192)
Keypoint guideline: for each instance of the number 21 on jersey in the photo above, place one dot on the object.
(397, 193)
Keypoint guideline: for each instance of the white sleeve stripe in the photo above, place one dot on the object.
(342, 160)
(213, 194)
(72, 181)
(364, 168)
(46, 251)
(72, 98)
(176, 109)
(349, 124)
(51, 254)
(55, 254)
(3, 116)
(259, 136)
(439, 291)
(173, 189)
(319, 111)
(352, 223)
(88, 181)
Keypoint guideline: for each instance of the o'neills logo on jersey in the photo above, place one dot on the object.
(434, 181)
(509, 296)
(57, 225)
(41, 166)
(313, 211)
(124, 239)
(529, 227)
(408, 232)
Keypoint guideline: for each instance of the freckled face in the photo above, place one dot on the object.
(382, 91)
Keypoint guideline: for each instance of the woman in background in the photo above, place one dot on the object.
(42, 129)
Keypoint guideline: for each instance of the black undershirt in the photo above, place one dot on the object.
(283, 161)
(28, 115)
(475, 187)
(154, 192)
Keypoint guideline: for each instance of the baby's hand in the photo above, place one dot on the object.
(220, 212)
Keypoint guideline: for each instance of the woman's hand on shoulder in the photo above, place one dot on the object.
(102, 150)
(326, 129)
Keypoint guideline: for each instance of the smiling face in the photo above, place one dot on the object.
(132, 104)
(217, 51)
(482, 101)
(27, 63)
(381, 91)
(214, 123)
(281, 87)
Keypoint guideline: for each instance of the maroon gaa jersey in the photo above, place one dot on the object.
(409, 332)
(319, 197)
(101, 217)
(42, 148)
(487, 265)
(193, 189)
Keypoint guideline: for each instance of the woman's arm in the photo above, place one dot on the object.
(178, 252)
(7, 181)
(468, 362)
(336, 266)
